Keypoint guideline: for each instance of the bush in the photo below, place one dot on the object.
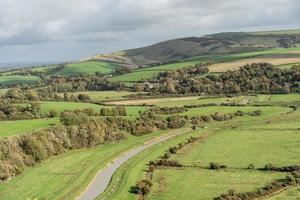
(142, 187)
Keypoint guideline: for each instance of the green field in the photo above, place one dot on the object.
(17, 79)
(206, 184)
(65, 176)
(237, 143)
(105, 95)
(149, 72)
(17, 127)
(46, 106)
(278, 146)
(87, 68)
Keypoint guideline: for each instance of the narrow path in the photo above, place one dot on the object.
(104, 176)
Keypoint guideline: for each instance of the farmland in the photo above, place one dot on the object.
(17, 79)
(114, 123)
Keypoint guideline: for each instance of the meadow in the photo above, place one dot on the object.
(66, 175)
(220, 60)
(20, 127)
(17, 79)
(105, 95)
(86, 68)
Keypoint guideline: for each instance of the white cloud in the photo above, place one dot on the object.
(95, 26)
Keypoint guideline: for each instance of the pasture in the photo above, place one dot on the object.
(66, 175)
(18, 127)
(278, 56)
(17, 79)
(86, 68)
(105, 95)
(172, 101)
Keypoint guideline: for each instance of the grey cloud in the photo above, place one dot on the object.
(66, 29)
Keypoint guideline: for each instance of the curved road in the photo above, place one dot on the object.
(104, 176)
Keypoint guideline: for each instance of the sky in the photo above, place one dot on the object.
(65, 30)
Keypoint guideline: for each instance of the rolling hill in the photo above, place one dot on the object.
(190, 47)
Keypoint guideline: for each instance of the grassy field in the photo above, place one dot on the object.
(277, 98)
(87, 68)
(173, 101)
(256, 145)
(46, 106)
(132, 171)
(17, 79)
(271, 138)
(206, 184)
(64, 176)
(149, 72)
(292, 194)
(105, 95)
(10, 128)
(227, 109)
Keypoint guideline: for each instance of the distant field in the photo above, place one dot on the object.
(17, 79)
(61, 106)
(132, 111)
(172, 101)
(87, 68)
(10, 128)
(276, 59)
(278, 98)
(105, 95)
(223, 62)
(225, 109)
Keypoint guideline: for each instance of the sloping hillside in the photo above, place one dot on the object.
(220, 43)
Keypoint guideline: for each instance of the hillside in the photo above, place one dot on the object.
(185, 48)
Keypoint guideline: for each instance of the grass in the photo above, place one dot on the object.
(17, 127)
(174, 101)
(17, 79)
(275, 98)
(132, 171)
(46, 106)
(86, 68)
(291, 194)
(271, 138)
(206, 184)
(105, 95)
(65, 176)
(225, 109)
(149, 72)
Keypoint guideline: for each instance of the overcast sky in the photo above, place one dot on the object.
(60, 30)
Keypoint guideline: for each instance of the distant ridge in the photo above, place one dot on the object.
(189, 47)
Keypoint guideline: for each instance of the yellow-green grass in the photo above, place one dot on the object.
(275, 98)
(290, 194)
(17, 79)
(288, 66)
(66, 175)
(46, 106)
(134, 169)
(17, 127)
(204, 184)
(172, 101)
(239, 148)
(3, 91)
(105, 95)
(86, 68)
(224, 109)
